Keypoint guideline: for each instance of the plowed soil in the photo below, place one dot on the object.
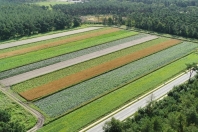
(67, 81)
(56, 43)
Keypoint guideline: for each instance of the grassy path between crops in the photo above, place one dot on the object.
(91, 112)
(94, 71)
(35, 82)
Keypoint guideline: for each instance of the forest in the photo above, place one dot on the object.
(178, 112)
(176, 17)
(18, 19)
(7, 126)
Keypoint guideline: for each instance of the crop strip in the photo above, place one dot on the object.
(35, 82)
(23, 42)
(76, 96)
(31, 57)
(92, 72)
(38, 72)
(47, 62)
(116, 99)
(56, 43)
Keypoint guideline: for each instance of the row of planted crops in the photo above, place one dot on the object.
(77, 95)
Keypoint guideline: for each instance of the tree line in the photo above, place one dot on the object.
(17, 20)
(178, 112)
(177, 17)
(7, 126)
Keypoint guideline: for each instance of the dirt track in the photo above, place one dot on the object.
(56, 43)
(23, 42)
(41, 71)
(94, 71)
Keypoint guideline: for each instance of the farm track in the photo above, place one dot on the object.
(92, 72)
(41, 71)
(23, 42)
(56, 43)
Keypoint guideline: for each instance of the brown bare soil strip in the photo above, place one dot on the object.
(70, 80)
(57, 43)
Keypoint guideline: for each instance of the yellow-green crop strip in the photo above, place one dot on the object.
(82, 66)
(17, 61)
(85, 115)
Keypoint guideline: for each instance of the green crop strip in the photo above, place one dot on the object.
(50, 40)
(32, 57)
(96, 87)
(85, 115)
(82, 66)
(65, 57)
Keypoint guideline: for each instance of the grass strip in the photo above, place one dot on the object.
(66, 57)
(56, 43)
(16, 61)
(35, 82)
(67, 81)
(89, 113)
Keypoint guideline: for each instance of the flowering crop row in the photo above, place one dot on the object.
(73, 97)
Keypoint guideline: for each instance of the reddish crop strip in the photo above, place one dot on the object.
(57, 43)
(67, 81)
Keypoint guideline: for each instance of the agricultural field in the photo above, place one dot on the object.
(74, 121)
(20, 60)
(18, 114)
(75, 95)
